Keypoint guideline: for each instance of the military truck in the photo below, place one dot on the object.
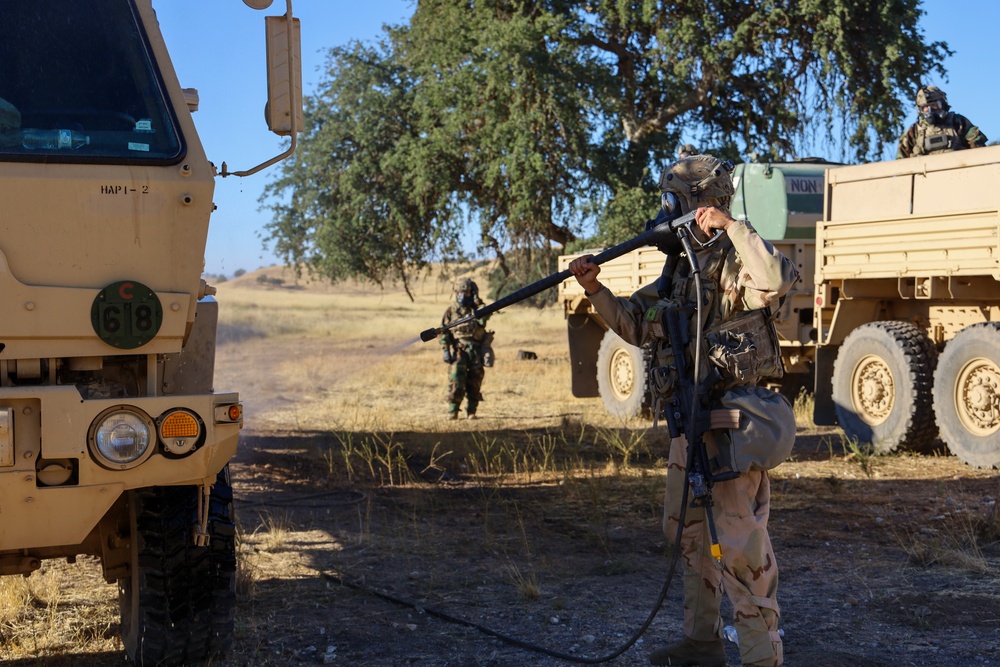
(113, 440)
(908, 304)
(895, 322)
(784, 201)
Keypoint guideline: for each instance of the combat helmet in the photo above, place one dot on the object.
(700, 180)
(929, 94)
(463, 285)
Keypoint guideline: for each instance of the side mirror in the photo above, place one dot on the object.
(284, 76)
(283, 110)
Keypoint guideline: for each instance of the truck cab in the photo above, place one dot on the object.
(114, 441)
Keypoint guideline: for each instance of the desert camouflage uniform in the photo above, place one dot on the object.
(746, 272)
(957, 130)
(466, 372)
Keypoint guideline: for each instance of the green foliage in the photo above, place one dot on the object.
(520, 117)
(521, 268)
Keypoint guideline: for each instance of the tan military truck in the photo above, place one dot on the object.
(901, 325)
(113, 440)
(784, 202)
(908, 304)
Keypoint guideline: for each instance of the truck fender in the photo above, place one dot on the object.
(585, 335)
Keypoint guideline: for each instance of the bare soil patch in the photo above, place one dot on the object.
(850, 593)
(889, 561)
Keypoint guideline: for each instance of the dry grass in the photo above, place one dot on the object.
(56, 610)
(346, 362)
(957, 543)
(349, 358)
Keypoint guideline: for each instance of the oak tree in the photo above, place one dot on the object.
(526, 119)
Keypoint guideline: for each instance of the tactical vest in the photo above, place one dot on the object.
(471, 332)
(942, 138)
(741, 344)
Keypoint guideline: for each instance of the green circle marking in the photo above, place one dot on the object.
(126, 314)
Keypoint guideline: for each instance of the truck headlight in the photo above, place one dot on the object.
(121, 437)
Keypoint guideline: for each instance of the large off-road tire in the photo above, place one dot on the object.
(882, 386)
(177, 604)
(967, 395)
(621, 377)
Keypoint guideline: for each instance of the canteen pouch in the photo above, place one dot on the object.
(760, 433)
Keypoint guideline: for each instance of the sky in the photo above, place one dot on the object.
(217, 47)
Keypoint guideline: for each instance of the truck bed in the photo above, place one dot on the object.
(912, 218)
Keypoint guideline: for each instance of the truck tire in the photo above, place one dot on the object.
(621, 377)
(882, 386)
(967, 395)
(177, 604)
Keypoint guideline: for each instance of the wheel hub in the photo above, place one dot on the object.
(872, 390)
(622, 374)
(978, 396)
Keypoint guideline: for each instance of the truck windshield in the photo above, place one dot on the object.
(77, 85)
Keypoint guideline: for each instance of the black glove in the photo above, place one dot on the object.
(447, 356)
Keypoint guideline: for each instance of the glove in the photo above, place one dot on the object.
(447, 356)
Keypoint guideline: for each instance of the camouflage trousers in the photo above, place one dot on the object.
(748, 573)
(465, 380)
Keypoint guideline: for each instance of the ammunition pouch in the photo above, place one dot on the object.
(486, 349)
(937, 142)
(662, 380)
(753, 429)
(745, 348)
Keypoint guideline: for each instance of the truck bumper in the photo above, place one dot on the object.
(48, 430)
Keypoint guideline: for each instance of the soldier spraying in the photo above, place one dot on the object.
(938, 129)
(725, 291)
(467, 349)
(709, 335)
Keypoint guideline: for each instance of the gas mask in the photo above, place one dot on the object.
(933, 113)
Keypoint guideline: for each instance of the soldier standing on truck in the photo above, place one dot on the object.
(938, 129)
(467, 349)
(742, 273)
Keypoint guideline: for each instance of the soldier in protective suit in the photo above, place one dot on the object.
(742, 273)
(938, 129)
(467, 348)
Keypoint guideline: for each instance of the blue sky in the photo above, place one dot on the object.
(217, 46)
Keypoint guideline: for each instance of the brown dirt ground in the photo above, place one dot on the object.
(591, 545)
(850, 595)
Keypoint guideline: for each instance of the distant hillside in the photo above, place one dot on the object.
(283, 278)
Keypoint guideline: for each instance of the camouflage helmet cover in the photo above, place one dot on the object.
(929, 94)
(466, 285)
(700, 180)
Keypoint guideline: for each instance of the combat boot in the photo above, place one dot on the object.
(471, 415)
(691, 653)
(453, 415)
